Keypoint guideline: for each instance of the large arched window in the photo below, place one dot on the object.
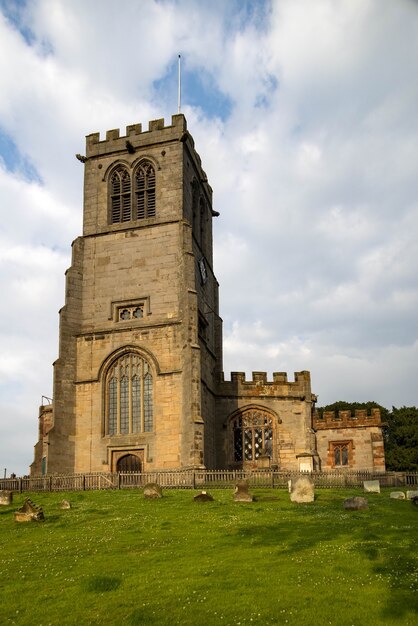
(252, 434)
(120, 196)
(129, 396)
(145, 191)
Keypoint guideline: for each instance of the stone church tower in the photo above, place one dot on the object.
(138, 384)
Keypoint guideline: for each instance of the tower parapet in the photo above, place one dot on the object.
(279, 387)
(347, 419)
(157, 132)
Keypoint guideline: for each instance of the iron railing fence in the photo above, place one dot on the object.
(202, 479)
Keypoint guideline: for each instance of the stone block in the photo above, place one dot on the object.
(302, 489)
(6, 497)
(397, 495)
(410, 495)
(371, 486)
(241, 493)
(356, 504)
(29, 512)
(203, 496)
(152, 491)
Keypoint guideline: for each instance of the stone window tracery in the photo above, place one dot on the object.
(341, 453)
(129, 396)
(132, 201)
(252, 434)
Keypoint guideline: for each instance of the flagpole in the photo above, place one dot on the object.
(179, 85)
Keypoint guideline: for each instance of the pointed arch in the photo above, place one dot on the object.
(128, 392)
(120, 205)
(145, 190)
(252, 432)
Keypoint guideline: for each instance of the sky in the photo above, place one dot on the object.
(304, 113)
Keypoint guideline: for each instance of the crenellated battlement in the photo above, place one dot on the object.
(157, 132)
(346, 419)
(260, 386)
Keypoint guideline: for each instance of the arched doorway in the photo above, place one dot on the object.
(128, 463)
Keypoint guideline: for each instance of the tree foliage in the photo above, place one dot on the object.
(401, 439)
(400, 430)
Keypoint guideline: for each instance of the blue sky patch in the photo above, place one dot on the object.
(13, 10)
(198, 90)
(14, 161)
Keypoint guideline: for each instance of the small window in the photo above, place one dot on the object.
(341, 453)
(145, 191)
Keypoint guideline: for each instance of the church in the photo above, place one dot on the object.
(139, 383)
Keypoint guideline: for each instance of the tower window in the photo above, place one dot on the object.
(120, 196)
(129, 396)
(145, 191)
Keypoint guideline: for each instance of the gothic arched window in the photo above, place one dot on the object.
(252, 434)
(120, 196)
(129, 396)
(145, 191)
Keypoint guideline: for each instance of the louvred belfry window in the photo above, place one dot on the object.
(120, 196)
(145, 191)
(129, 396)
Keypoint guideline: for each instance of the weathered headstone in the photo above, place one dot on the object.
(152, 491)
(371, 486)
(355, 504)
(65, 504)
(397, 495)
(29, 512)
(302, 489)
(6, 497)
(203, 496)
(410, 495)
(241, 493)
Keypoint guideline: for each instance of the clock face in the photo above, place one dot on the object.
(203, 271)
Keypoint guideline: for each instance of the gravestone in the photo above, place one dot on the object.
(29, 512)
(152, 491)
(302, 489)
(371, 486)
(241, 493)
(203, 496)
(65, 504)
(397, 495)
(410, 495)
(356, 504)
(6, 497)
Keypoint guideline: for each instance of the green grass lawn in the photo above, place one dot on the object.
(117, 558)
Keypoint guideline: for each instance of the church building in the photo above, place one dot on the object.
(139, 383)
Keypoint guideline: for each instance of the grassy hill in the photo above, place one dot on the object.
(115, 557)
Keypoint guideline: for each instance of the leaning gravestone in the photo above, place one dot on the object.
(397, 495)
(410, 495)
(356, 504)
(29, 512)
(241, 493)
(152, 491)
(203, 496)
(302, 489)
(6, 497)
(371, 486)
